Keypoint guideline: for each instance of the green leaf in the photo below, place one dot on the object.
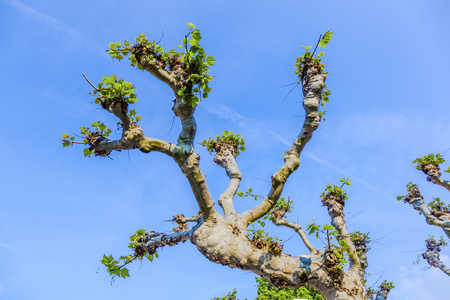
(194, 43)
(343, 243)
(132, 100)
(102, 127)
(196, 35)
(328, 227)
(66, 144)
(150, 257)
(138, 118)
(191, 25)
(210, 61)
(306, 47)
(124, 273)
(325, 39)
(66, 136)
(87, 152)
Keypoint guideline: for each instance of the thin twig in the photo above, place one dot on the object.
(354, 216)
(279, 87)
(290, 92)
(286, 240)
(261, 179)
(320, 37)
(90, 82)
(160, 38)
(171, 126)
(73, 142)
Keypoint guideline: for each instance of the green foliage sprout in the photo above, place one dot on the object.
(229, 296)
(428, 159)
(333, 240)
(113, 89)
(338, 192)
(226, 138)
(440, 242)
(437, 206)
(115, 269)
(268, 292)
(192, 65)
(309, 59)
(387, 285)
(89, 136)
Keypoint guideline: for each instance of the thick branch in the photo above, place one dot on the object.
(442, 221)
(156, 69)
(189, 164)
(154, 240)
(181, 219)
(225, 157)
(336, 211)
(313, 84)
(188, 124)
(382, 293)
(433, 260)
(440, 181)
(227, 243)
(297, 228)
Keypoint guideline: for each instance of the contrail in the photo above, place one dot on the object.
(12, 248)
(53, 23)
(227, 113)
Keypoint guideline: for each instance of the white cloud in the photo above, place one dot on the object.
(53, 23)
(420, 282)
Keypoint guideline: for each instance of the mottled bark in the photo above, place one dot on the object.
(226, 158)
(223, 238)
(433, 258)
(312, 90)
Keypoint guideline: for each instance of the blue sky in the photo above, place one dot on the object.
(60, 212)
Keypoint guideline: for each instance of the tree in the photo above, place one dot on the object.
(436, 212)
(225, 238)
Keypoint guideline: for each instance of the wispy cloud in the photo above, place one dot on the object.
(12, 248)
(225, 112)
(53, 23)
(421, 282)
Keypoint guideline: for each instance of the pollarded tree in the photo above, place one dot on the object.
(436, 212)
(223, 237)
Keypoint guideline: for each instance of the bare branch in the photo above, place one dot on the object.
(73, 142)
(313, 84)
(439, 181)
(225, 157)
(443, 221)
(433, 258)
(336, 211)
(90, 82)
(297, 228)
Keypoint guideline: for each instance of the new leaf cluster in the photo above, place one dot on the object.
(309, 59)
(431, 158)
(227, 138)
(191, 66)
